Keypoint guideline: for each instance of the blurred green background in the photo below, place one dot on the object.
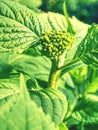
(84, 10)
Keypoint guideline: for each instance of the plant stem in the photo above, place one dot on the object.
(54, 72)
(69, 66)
(58, 69)
(54, 75)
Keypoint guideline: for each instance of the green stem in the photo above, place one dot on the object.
(69, 66)
(54, 75)
(54, 72)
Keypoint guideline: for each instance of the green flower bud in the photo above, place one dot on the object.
(54, 43)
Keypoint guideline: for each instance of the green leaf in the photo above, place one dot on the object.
(86, 110)
(80, 29)
(91, 74)
(34, 66)
(37, 23)
(17, 12)
(88, 48)
(9, 89)
(27, 27)
(30, 4)
(5, 68)
(21, 27)
(69, 26)
(53, 103)
(16, 27)
(14, 36)
(51, 21)
(78, 75)
(37, 67)
(62, 126)
(25, 114)
(92, 87)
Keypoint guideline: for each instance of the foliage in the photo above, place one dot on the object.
(32, 4)
(48, 70)
(82, 9)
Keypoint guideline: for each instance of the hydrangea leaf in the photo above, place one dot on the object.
(53, 103)
(86, 110)
(25, 114)
(87, 50)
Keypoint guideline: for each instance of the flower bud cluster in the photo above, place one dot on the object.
(54, 43)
